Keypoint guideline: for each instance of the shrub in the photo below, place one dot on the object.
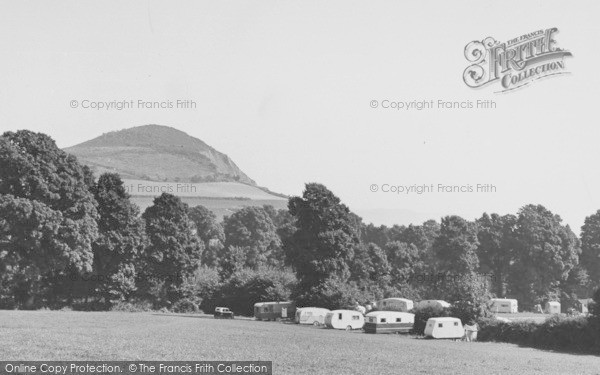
(185, 306)
(202, 287)
(578, 334)
(422, 315)
(247, 287)
(132, 306)
(595, 305)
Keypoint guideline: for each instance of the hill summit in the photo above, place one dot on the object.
(157, 153)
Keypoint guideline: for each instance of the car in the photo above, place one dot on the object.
(223, 313)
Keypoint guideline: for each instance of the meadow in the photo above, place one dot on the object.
(294, 349)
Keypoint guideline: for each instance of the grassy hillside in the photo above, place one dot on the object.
(294, 349)
(223, 198)
(220, 207)
(158, 153)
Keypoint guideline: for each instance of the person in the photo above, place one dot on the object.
(360, 308)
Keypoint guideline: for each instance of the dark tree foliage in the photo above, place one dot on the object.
(324, 243)
(252, 230)
(121, 242)
(405, 262)
(174, 251)
(496, 249)
(546, 251)
(370, 264)
(590, 248)
(39, 183)
(456, 246)
(210, 232)
(248, 286)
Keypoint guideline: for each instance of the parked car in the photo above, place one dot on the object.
(223, 313)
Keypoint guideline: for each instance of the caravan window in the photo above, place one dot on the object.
(398, 320)
(340, 316)
(383, 320)
(456, 323)
(355, 317)
(440, 325)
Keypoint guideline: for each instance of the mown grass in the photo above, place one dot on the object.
(48, 335)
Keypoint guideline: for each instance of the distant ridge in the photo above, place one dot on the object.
(158, 153)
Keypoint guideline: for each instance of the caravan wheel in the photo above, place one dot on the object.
(349, 328)
(316, 324)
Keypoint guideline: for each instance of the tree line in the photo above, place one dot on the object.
(68, 239)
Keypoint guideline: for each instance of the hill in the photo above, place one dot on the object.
(222, 198)
(157, 153)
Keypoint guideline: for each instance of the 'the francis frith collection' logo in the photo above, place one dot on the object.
(516, 62)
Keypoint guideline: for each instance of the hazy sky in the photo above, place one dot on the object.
(284, 88)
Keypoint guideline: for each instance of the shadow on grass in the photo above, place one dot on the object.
(582, 353)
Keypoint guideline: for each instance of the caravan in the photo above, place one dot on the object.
(274, 310)
(395, 304)
(504, 305)
(444, 328)
(389, 322)
(552, 307)
(344, 319)
(311, 315)
(435, 303)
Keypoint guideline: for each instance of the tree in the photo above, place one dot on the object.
(174, 251)
(546, 252)
(121, 241)
(202, 288)
(30, 250)
(285, 227)
(456, 246)
(496, 248)
(324, 243)
(41, 183)
(590, 248)
(210, 232)
(248, 286)
(370, 264)
(251, 229)
(404, 261)
(376, 235)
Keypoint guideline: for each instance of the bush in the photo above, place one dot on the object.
(202, 287)
(578, 334)
(331, 294)
(422, 315)
(133, 306)
(594, 307)
(185, 306)
(247, 287)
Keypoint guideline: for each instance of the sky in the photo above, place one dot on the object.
(286, 90)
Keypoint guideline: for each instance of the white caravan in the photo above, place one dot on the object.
(311, 315)
(444, 328)
(504, 305)
(344, 319)
(552, 307)
(436, 303)
(389, 322)
(395, 304)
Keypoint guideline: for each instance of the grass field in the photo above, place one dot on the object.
(294, 349)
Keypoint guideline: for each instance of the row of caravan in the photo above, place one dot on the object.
(372, 322)
(380, 322)
(315, 315)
